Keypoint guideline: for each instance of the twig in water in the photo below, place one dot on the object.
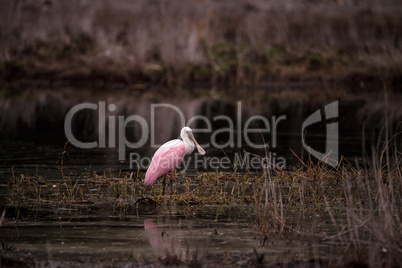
(2, 217)
(346, 231)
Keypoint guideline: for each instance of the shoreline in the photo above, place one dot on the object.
(354, 81)
(216, 43)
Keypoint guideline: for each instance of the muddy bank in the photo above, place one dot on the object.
(213, 42)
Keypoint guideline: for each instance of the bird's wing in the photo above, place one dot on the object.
(167, 157)
(170, 144)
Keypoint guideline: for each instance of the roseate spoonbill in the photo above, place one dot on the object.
(170, 155)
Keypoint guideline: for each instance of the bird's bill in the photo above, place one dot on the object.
(199, 148)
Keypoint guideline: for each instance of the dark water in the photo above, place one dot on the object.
(33, 135)
(128, 237)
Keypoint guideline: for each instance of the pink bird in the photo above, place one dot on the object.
(170, 155)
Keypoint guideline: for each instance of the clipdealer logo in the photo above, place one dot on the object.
(239, 133)
(331, 154)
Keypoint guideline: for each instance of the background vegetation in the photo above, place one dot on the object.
(175, 42)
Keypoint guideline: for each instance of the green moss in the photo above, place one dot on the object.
(13, 68)
(276, 50)
(202, 72)
(317, 61)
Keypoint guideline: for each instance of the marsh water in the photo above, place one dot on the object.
(33, 124)
(34, 144)
(102, 236)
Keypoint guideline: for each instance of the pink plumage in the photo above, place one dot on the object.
(170, 155)
(165, 159)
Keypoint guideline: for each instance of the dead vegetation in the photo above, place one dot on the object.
(177, 42)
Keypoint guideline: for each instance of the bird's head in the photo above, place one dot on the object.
(187, 134)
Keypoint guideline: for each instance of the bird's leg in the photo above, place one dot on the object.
(171, 181)
(164, 183)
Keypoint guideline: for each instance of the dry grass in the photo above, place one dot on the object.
(218, 41)
(369, 195)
